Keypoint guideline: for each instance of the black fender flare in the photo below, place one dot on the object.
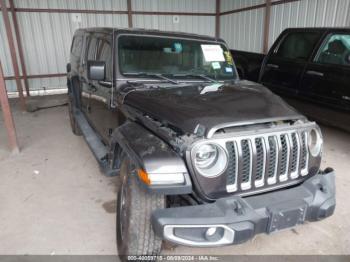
(152, 154)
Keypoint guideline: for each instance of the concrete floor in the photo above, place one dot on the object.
(54, 200)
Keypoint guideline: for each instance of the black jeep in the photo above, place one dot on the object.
(204, 158)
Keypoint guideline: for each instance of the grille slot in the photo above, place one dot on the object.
(266, 160)
(246, 170)
(260, 161)
(232, 167)
(304, 154)
(284, 157)
(295, 155)
(272, 160)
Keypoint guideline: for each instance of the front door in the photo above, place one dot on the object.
(327, 76)
(285, 64)
(103, 113)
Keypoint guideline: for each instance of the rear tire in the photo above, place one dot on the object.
(135, 205)
(73, 123)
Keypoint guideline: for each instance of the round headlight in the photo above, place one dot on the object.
(210, 160)
(315, 142)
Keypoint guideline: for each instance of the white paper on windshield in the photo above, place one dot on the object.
(210, 88)
(213, 53)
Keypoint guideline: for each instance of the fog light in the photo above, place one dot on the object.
(210, 231)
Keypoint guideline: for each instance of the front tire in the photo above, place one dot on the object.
(135, 205)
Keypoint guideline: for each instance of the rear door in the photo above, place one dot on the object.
(327, 76)
(74, 68)
(283, 67)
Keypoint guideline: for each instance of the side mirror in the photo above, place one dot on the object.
(96, 70)
(68, 67)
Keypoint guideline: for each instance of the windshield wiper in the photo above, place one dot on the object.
(205, 77)
(160, 76)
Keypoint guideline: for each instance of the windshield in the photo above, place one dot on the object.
(176, 58)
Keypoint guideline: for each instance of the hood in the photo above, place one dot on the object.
(186, 106)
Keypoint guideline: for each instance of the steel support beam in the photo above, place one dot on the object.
(267, 26)
(112, 12)
(129, 13)
(6, 110)
(19, 46)
(217, 18)
(253, 7)
(5, 16)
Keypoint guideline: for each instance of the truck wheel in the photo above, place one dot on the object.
(73, 124)
(135, 235)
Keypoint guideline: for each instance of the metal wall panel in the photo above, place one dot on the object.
(204, 25)
(228, 5)
(309, 13)
(5, 56)
(46, 37)
(199, 6)
(74, 4)
(243, 30)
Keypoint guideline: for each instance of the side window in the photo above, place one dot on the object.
(104, 53)
(335, 50)
(91, 52)
(297, 45)
(77, 45)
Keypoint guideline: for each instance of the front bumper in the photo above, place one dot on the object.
(235, 219)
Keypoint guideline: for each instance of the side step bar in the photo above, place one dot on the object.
(99, 150)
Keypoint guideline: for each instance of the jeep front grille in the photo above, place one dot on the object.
(264, 160)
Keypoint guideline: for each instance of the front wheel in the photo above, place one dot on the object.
(135, 205)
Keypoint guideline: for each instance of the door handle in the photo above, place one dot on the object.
(273, 66)
(315, 73)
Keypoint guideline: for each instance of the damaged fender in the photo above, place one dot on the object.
(154, 156)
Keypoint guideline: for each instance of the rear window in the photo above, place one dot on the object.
(298, 45)
(335, 50)
(104, 53)
(91, 52)
(77, 45)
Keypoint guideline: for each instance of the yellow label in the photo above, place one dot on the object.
(228, 57)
